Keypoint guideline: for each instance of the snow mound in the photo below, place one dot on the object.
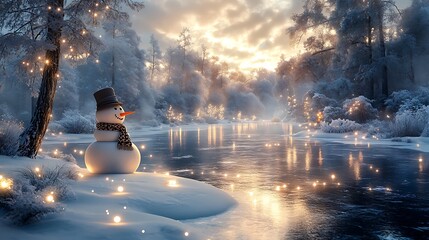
(150, 206)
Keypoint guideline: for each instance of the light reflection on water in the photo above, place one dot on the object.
(285, 187)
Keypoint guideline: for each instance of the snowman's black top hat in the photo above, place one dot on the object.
(106, 98)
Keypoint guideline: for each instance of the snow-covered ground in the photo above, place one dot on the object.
(151, 206)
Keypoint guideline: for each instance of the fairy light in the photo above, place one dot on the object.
(50, 198)
(333, 176)
(6, 183)
(37, 169)
(173, 116)
(143, 147)
(172, 183)
(186, 234)
(117, 219)
(120, 189)
(420, 159)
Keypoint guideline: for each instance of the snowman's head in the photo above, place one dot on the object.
(113, 114)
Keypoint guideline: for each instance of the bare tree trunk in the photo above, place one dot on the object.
(384, 79)
(411, 72)
(152, 69)
(369, 42)
(31, 139)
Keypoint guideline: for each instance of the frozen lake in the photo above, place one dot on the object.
(294, 189)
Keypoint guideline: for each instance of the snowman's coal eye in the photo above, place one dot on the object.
(120, 108)
(116, 108)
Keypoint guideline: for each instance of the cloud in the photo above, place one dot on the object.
(245, 33)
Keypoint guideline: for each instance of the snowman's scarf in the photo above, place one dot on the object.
(124, 140)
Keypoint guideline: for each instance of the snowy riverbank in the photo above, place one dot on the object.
(362, 138)
(150, 206)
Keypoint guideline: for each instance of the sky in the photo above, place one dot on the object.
(245, 33)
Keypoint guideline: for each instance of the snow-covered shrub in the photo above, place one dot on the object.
(396, 99)
(320, 101)
(410, 123)
(56, 179)
(35, 193)
(24, 205)
(63, 156)
(410, 105)
(340, 126)
(378, 128)
(407, 100)
(332, 113)
(359, 109)
(9, 135)
(74, 122)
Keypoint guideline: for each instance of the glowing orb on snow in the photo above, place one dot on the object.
(120, 189)
(186, 234)
(117, 219)
(172, 183)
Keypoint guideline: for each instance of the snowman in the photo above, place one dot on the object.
(113, 152)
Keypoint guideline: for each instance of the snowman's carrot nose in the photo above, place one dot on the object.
(125, 114)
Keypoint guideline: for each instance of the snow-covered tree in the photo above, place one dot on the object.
(154, 57)
(46, 25)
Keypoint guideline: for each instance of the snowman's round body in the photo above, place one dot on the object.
(103, 156)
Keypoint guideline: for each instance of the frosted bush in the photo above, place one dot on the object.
(320, 101)
(396, 99)
(27, 200)
(410, 123)
(359, 109)
(9, 136)
(56, 179)
(331, 113)
(23, 205)
(340, 126)
(407, 100)
(63, 156)
(74, 122)
(378, 128)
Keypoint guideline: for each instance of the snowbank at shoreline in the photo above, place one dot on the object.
(150, 206)
(362, 138)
